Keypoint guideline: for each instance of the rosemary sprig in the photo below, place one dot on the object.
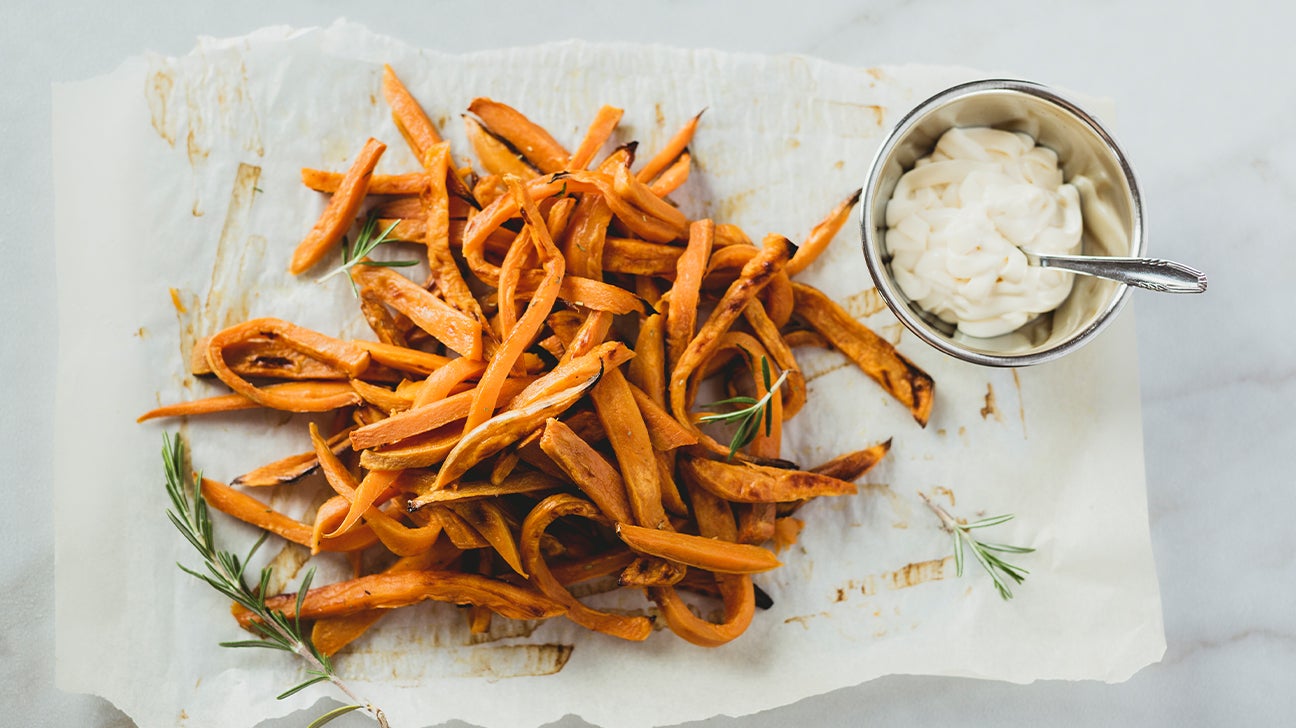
(749, 418)
(225, 573)
(987, 554)
(366, 242)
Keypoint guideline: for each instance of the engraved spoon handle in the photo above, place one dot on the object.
(1153, 274)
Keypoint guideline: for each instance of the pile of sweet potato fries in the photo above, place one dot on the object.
(526, 418)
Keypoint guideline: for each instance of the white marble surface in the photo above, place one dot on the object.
(1206, 104)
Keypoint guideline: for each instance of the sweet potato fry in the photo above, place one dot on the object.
(288, 396)
(533, 529)
(400, 589)
(715, 555)
(822, 234)
(423, 419)
(853, 465)
(293, 467)
(250, 510)
(605, 122)
(410, 183)
(537, 310)
(522, 134)
(458, 331)
(749, 483)
(874, 355)
(505, 429)
(629, 438)
(682, 320)
(673, 149)
(410, 119)
(495, 155)
(587, 469)
(340, 212)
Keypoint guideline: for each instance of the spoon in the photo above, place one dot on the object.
(1153, 274)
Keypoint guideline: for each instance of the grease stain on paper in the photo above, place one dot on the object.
(1021, 403)
(492, 662)
(863, 304)
(990, 410)
(899, 506)
(238, 258)
(157, 92)
(909, 575)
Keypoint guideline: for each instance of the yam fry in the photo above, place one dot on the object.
(682, 321)
(457, 330)
(264, 357)
(647, 571)
(522, 134)
(628, 436)
(605, 122)
(287, 396)
(533, 528)
(486, 517)
(822, 234)
(402, 358)
(770, 338)
(638, 257)
(874, 355)
(423, 419)
(647, 370)
(537, 310)
(674, 176)
(409, 117)
(410, 183)
(594, 475)
(756, 274)
(382, 323)
(401, 589)
(664, 431)
(340, 211)
(721, 557)
(749, 483)
(673, 149)
(505, 429)
(514, 484)
(852, 466)
(293, 467)
(496, 156)
(250, 510)
(331, 634)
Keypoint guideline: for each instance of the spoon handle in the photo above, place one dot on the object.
(1153, 274)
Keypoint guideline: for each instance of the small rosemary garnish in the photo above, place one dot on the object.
(987, 554)
(225, 572)
(366, 242)
(749, 417)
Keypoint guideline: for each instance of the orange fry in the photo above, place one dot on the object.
(340, 211)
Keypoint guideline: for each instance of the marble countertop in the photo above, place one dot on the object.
(1204, 96)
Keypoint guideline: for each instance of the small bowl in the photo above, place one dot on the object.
(1111, 206)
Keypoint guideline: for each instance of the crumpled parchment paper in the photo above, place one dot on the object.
(183, 173)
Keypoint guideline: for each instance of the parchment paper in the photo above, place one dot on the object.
(183, 173)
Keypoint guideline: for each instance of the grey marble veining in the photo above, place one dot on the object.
(1206, 107)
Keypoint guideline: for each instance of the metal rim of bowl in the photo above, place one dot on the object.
(898, 302)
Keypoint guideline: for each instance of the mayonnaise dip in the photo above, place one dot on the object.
(958, 221)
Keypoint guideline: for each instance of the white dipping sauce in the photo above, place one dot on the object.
(958, 220)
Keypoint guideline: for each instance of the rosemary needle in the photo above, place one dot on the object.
(986, 554)
(225, 573)
(749, 418)
(366, 242)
